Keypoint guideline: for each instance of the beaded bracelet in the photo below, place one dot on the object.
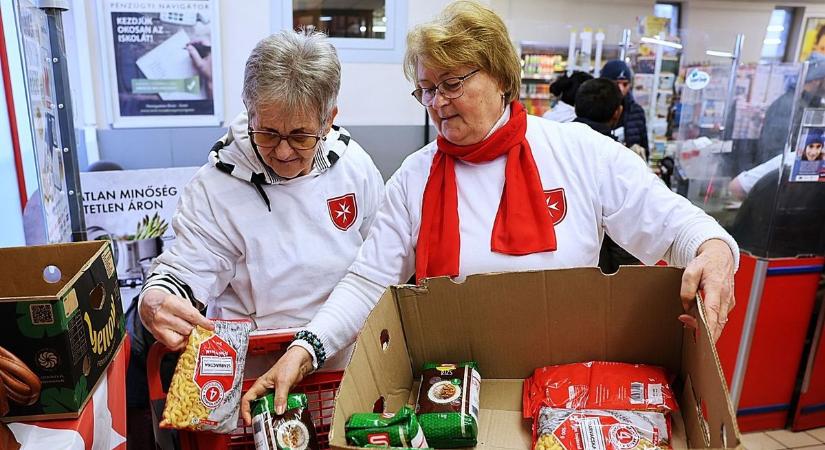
(316, 344)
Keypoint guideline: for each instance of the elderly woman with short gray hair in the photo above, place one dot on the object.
(270, 224)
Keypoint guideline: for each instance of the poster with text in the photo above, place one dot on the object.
(813, 37)
(163, 62)
(810, 151)
(134, 209)
(51, 177)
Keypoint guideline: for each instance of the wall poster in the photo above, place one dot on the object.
(163, 62)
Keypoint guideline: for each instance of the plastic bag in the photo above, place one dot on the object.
(599, 385)
(293, 430)
(386, 430)
(568, 429)
(206, 388)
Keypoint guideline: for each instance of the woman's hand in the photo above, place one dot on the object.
(170, 318)
(711, 271)
(293, 366)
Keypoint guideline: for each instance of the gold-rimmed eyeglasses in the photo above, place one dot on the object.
(271, 139)
(451, 88)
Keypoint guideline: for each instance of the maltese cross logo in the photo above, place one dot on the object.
(343, 211)
(556, 204)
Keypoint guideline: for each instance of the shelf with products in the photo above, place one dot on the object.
(536, 77)
(545, 60)
(535, 97)
(536, 107)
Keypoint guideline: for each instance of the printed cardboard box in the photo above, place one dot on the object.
(61, 314)
(512, 323)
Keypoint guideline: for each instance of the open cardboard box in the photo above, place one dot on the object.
(61, 314)
(512, 323)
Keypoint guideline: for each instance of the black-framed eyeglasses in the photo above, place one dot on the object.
(271, 139)
(450, 88)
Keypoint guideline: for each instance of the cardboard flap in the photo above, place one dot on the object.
(376, 370)
(481, 320)
(705, 399)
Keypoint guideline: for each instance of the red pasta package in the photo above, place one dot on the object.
(599, 385)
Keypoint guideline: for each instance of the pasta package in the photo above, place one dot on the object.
(599, 385)
(447, 404)
(292, 430)
(569, 429)
(206, 387)
(399, 429)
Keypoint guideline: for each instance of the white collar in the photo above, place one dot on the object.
(505, 116)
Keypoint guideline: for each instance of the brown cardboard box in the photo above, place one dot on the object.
(66, 331)
(514, 322)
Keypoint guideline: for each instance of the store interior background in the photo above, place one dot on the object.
(374, 102)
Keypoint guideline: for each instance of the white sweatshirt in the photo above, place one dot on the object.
(277, 267)
(594, 186)
(562, 112)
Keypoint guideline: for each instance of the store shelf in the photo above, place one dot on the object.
(539, 77)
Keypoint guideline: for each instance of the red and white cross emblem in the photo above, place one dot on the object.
(343, 211)
(556, 203)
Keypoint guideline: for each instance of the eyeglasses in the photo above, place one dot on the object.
(271, 139)
(451, 88)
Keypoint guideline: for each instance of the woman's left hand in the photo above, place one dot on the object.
(711, 271)
(290, 369)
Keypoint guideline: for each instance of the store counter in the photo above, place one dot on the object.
(101, 425)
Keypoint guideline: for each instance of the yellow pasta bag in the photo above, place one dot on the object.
(206, 388)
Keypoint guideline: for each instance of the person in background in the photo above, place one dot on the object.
(813, 147)
(777, 126)
(564, 89)
(599, 106)
(632, 122)
(500, 191)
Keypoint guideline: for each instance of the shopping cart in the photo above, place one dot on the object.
(320, 388)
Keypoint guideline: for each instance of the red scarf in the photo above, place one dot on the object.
(523, 224)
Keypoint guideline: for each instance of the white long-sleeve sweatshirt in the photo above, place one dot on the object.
(276, 267)
(593, 185)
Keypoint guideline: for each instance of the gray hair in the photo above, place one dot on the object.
(298, 70)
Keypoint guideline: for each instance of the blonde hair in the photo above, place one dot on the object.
(466, 33)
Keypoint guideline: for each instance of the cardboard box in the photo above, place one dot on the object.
(515, 322)
(61, 313)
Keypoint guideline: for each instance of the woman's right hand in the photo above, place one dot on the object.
(170, 318)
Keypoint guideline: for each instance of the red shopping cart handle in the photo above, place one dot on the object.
(320, 387)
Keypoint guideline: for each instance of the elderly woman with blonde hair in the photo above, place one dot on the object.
(500, 190)
(271, 223)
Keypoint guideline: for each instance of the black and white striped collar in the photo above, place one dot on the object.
(252, 168)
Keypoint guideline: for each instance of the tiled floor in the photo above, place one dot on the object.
(784, 439)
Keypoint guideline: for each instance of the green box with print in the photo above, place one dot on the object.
(62, 323)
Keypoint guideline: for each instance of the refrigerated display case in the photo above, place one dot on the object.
(742, 138)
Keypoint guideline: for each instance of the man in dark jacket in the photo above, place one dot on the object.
(599, 106)
(633, 117)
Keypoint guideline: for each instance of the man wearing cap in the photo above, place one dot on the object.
(633, 117)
